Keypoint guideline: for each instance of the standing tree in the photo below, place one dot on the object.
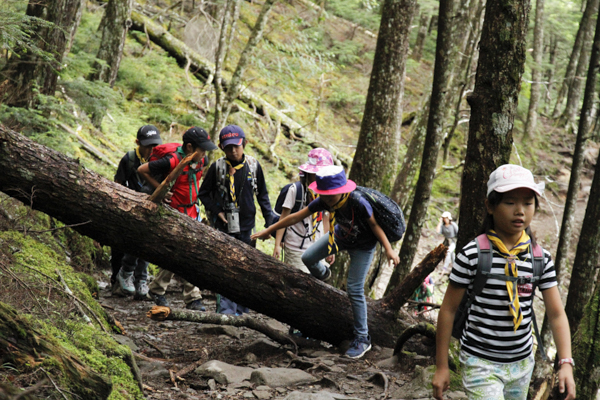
(417, 51)
(26, 70)
(493, 106)
(442, 76)
(114, 25)
(376, 157)
(536, 70)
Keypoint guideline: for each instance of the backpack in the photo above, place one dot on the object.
(484, 266)
(387, 213)
(280, 200)
(142, 185)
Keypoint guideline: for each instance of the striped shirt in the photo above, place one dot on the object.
(489, 332)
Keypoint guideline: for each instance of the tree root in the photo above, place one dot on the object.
(422, 328)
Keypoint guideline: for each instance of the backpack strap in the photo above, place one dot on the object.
(221, 177)
(537, 262)
(253, 164)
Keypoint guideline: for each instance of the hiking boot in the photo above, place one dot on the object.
(359, 346)
(141, 291)
(195, 305)
(160, 300)
(124, 284)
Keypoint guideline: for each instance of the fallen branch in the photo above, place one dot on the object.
(87, 146)
(161, 191)
(422, 328)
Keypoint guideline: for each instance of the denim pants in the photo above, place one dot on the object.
(360, 260)
(131, 263)
(225, 305)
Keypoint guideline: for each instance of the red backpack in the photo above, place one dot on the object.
(162, 150)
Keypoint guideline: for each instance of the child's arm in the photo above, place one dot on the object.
(452, 299)
(279, 235)
(282, 223)
(144, 170)
(562, 337)
(380, 235)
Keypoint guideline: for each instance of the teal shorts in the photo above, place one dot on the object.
(487, 380)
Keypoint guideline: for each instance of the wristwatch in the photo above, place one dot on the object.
(566, 361)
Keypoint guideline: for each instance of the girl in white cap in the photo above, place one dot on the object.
(496, 352)
(449, 229)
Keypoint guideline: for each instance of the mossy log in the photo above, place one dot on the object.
(204, 68)
(116, 216)
(26, 348)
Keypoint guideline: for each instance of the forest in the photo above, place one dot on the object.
(419, 100)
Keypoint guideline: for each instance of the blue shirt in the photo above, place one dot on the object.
(351, 221)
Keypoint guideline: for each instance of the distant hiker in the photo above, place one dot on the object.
(449, 229)
(424, 293)
(297, 195)
(131, 272)
(227, 193)
(496, 343)
(356, 231)
(183, 197)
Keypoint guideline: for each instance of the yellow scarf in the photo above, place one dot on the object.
(332, 245)
(231, 173)
(137, 153)
(511, 270)
(313, 196)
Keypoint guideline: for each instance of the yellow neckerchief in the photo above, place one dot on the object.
(231, 173)
(338, 205)
(313, 196)
(511, 270)
(137, 153)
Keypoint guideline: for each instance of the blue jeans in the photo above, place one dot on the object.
(360, 260)
(225, 305)
(131, 263)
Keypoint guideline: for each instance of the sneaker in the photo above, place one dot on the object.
(327, 276)
(195, 305)
(124, 284)
(141, 291)
(359, 346)
(160, 300)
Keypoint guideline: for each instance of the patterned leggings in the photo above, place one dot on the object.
(487, 380)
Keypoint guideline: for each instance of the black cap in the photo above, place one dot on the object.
(149, 135)
(199, 138)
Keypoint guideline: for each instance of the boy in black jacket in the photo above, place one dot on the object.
(228, 191)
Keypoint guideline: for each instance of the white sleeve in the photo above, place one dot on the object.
(290, 198)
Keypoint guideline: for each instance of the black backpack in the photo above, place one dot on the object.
(281, 199)
(484, 266)
(387, 213)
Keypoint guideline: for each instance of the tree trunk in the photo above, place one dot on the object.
(25, 70)
(222, 50)
(590, 9)
(493, 106)
(536, 70)
(441, 80)
(550, 70)
(421, 36)
(574, 92)
(118, 217)
(588, 248)
(114, 25)
(376, 157)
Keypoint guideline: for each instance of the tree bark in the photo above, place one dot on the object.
(118, 217)
(590, 9)
(588, 248)
(493, 106)
(376, 157)
(114, 25)
(25, 70)
(421, 36)
(441, 80)
(222, 50)
(550, 70)
(536, 70)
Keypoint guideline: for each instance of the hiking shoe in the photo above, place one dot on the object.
(195, 305)
(141, 291)
(359, 346)
(124, 284)
(327, 276)
(160, 300)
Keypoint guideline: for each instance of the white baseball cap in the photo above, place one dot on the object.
(510, 177)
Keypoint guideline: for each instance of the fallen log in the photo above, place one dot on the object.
(62, 188)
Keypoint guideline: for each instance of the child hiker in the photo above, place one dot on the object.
(299, 237)
(356, 231)
(496, 344)
(449, 229)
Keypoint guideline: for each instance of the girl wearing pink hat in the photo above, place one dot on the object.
(300, 236)
(356, 231)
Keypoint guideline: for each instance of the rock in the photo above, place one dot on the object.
(263, 347)
(212, 385)
(224, 373)
(126, 341)
(388, 363)
(248, 395)
(250, 358)
(456, 395)
(274, 377)
(153, 369)
(227, 330)
(262, 394)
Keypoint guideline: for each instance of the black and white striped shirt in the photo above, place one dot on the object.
(489, 331)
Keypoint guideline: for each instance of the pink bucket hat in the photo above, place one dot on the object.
(332, 180)
(509, 177)
(317, 159)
